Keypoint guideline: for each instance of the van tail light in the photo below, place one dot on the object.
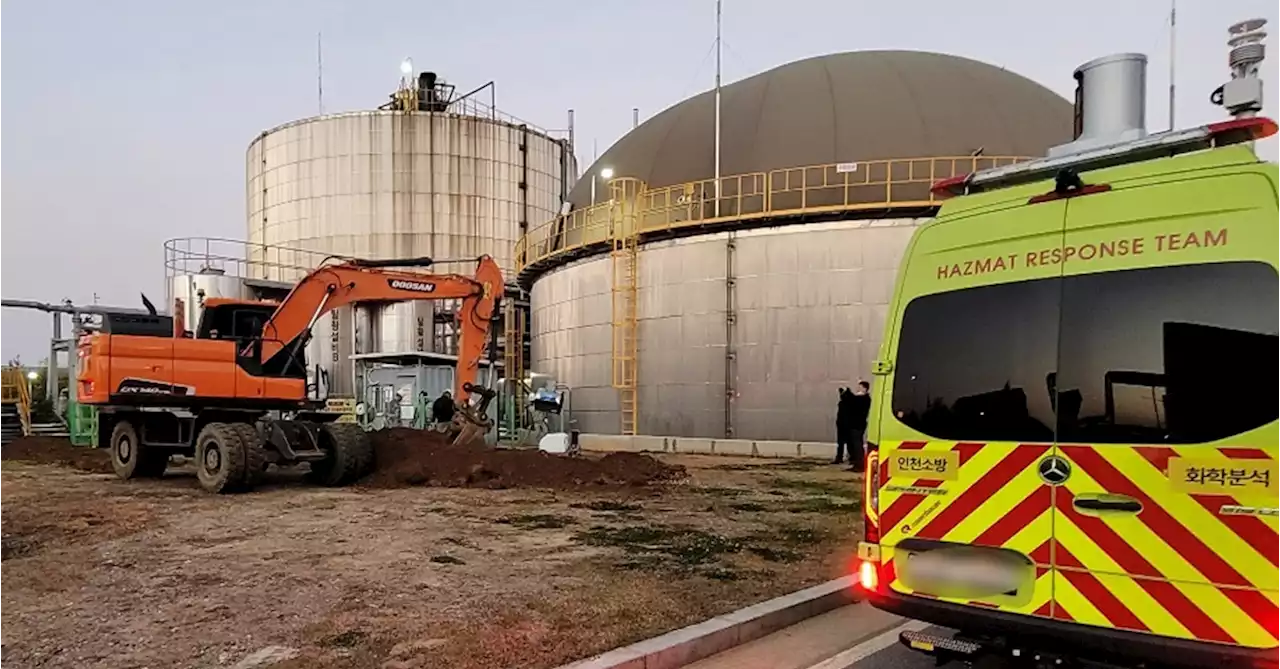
(871, 495)
(869, 576)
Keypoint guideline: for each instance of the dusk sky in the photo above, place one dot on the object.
(126, 123)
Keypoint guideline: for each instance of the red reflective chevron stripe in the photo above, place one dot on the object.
(1045, 610)
(1019, 459)
(1251, 529)
(1133, 564)
(1093, 590)
(1061, 613)
(1017, 518)
(1043, 554)
(1165, 526)
(1204, 559)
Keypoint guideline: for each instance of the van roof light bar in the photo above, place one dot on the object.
(1158, 145)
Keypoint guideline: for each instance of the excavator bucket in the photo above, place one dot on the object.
(471, 422)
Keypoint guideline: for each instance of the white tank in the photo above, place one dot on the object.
(193, 289)
(390, 184)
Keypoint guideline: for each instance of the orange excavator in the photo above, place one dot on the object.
(232, 394)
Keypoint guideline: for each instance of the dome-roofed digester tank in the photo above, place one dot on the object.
(426, 175)
(751, 336)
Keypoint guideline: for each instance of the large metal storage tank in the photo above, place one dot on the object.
(857, 135)
(811, 303)
(394, 184)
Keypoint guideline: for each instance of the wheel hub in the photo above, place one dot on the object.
(212, 459)
(124, 449)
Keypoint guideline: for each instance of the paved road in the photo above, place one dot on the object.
(851, 637)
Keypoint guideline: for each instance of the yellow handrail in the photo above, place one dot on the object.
(14, 390)
(796, 191)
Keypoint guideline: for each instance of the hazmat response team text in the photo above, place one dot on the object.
(1115, 248)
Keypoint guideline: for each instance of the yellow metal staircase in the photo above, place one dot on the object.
(624, 237)
(15, 395)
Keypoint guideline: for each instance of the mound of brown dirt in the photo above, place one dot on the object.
(412, 457)
(46, 450)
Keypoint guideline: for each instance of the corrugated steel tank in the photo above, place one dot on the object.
(811, 304)
(395, 184)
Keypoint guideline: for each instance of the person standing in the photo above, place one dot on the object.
(844, 426)
(859, 409)
(442, 408)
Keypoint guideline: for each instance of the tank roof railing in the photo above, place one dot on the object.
(238, 258)
(794, 193)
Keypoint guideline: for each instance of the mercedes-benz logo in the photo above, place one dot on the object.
(1054, 470)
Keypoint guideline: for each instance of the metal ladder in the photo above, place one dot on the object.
(513, 360)
(624, 236)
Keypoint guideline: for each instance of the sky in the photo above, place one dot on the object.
(124, 124)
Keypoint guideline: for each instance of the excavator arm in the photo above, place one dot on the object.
(351, 281)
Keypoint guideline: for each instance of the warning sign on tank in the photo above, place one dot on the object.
(1089, 251)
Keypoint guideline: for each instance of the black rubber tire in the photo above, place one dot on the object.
(348, 455)
(255, 454)
(224, 472)
(130, 458)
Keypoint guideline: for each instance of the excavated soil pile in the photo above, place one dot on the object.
(46, 450)
(412, 457)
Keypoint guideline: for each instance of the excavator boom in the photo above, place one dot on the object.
(331, 286)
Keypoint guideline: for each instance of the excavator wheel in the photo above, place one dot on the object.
(220, 458)
(255, 454)
(348, 455)
(130, 458)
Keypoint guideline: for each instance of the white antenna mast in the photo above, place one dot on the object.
(319, 74)
(1173, 54)
(717, 160)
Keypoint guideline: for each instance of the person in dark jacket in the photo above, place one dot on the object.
(442, 408)
(844, 425)
(859, 409)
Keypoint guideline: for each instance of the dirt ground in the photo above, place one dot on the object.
(104, 573)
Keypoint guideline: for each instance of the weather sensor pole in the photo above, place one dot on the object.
(1242, 96)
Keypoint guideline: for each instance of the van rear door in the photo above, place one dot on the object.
(1167, 394)
(965, 412)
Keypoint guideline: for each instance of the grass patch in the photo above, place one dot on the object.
(782, 466)
(666, 548)
(720, 492)
(848, 490)
(747, 506)
(823, 505)
(688, 551)
(16, 546)
(536, 521)
(794, 535)
(775, 554)
(605, 505)
(446, 559)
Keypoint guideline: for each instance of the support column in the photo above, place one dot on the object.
(51, 370)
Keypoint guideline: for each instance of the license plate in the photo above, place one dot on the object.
(962, 573)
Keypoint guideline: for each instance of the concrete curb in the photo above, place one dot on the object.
(704, 639)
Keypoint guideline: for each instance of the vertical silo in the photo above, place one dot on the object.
(449, 180)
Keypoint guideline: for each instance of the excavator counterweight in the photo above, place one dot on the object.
(232, 393)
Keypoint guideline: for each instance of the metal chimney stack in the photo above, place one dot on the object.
(1110, 104)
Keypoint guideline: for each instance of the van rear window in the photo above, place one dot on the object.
(1184, 354)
